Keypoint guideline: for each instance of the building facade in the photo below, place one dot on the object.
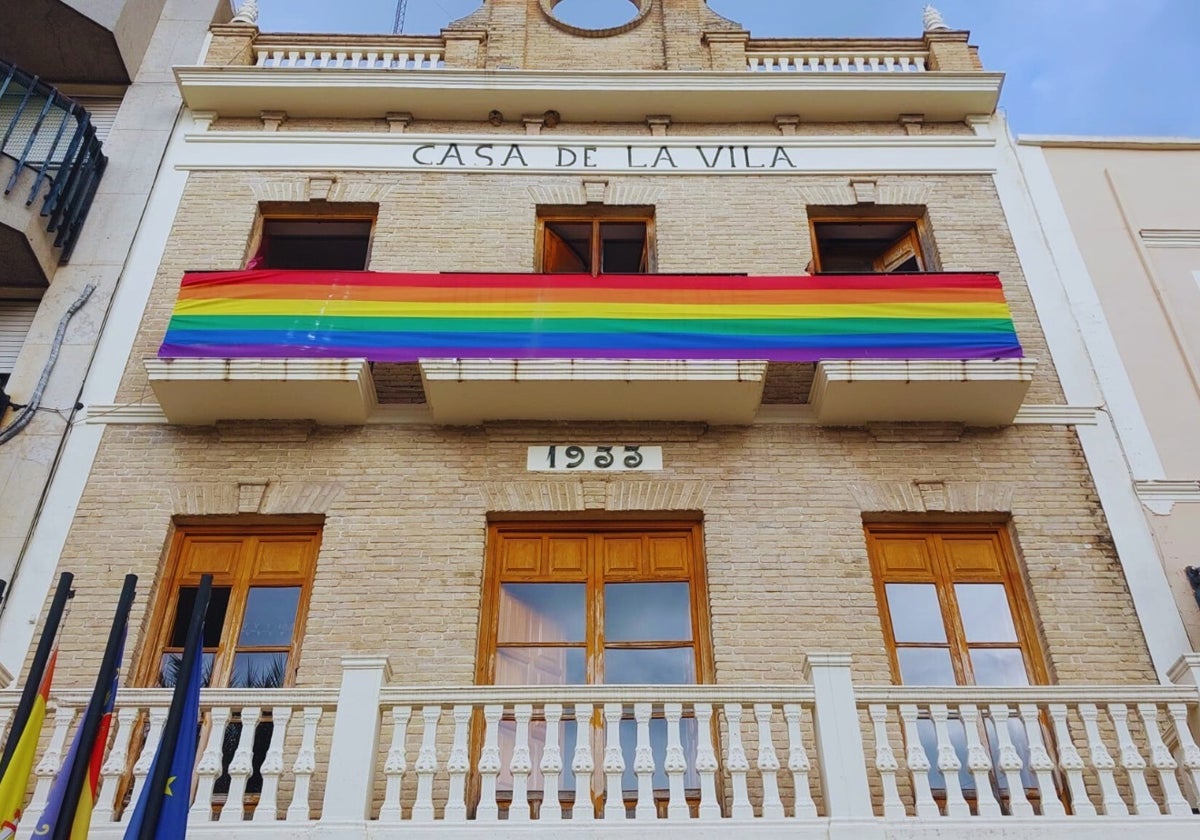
(647, 429)
(87, 105)
(1119, 221)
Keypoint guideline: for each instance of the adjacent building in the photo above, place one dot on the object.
(642, 429)
(87, 106)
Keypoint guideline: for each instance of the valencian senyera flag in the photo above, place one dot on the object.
(162, 810)
(16, 775)
(59, 806)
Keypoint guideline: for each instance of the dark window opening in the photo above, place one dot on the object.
(323, 244)
(867, 246)
(596, 246)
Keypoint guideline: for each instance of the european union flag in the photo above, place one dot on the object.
(161, 812)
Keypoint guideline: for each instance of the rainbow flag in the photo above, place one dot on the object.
(387, 317)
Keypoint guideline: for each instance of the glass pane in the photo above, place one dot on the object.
(541, 612)
(926, 666)
(168, 669)
(999, 666)
(270, 616)
(540, 666)
(214, 619)
(622, 245)
(985, 613)
(647, 612)
(259, 670)
(667, 666)
(916, 616)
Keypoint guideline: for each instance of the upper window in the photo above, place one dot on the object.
(870, 244)
(608, 241)
(308, 243)
(262, 578)
(952, 607)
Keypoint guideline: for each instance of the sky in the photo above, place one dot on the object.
(1084, 67)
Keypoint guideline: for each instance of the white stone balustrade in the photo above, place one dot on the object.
(779, 61)
(821, 759)
(430, 57)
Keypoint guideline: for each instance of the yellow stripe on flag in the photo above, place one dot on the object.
(20, 768)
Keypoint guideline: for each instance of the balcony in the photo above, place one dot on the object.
(816, 759)
(50, 165)
(311, 345)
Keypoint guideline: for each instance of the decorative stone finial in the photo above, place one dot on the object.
(934, 22)
(247, 14)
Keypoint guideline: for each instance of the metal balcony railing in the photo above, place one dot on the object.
(52, 136)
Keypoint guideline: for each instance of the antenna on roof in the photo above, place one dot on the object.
(398, 23)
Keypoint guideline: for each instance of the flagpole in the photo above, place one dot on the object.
(33, 680)
(90, 726)
(193, 647)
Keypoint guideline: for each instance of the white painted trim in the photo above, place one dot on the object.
(1161, 496)
(375, 151)
(1099, 142)
(417, 414)
(1170, 238)
(1058, 282)
(112, 352)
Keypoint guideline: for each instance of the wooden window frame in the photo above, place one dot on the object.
(240, 581)
(916, 218)
(1009, 576)
(595, 216)
(593, 604)
(311, 211)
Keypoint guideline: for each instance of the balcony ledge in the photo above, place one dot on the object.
(335, 392)
(977, 392)
(471, 391)
(612, 96)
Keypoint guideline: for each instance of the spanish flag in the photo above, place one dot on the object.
(16, 776)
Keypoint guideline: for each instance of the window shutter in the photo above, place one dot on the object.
(104, 112)
(16, 317)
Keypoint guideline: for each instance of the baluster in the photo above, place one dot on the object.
(326, 58)
(583, 765)
(614, 763)
(293, 58)
(706, 762)
(395, 765)
(843, 64)
(918, 763)
(885, 763)
(402, 60)
(754, 63)
(372, 58)
(1163, 762)
(738, 765)
(799, 764)
(1132, 761)
(979, 762)
(458, 765)
(267, 809)
(52, 759)
(305, 765)
(859, 61)
(141, 767)
(438, 58)
(768, 763)
(240, 767)
(426, 766)
(643, 764)
(1011, 765)
(874, 63)
(114, 766)
(489, 764)
(1188, 750)
(1069, 758)
(388, 60)
(420, 59)
(904, 63)
(1102, 761)
(948, 762)
(675, 763)
(260, 57)
(521, 765)
(340, 57)
(814, 64)
(6, 715)
(769, 63)
(209, 767)
(889, 64)
(357, 59)
(551, 765)
(919, 62)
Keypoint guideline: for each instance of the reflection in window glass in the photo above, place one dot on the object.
(925, 666)
(172, 663)
(258, 670)
(985, 613)
(214, 619)
(540, 666)
(916, 616)
(664, 666)
(270, 616)
(659, 612)
(541, 612)
(998, 666)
